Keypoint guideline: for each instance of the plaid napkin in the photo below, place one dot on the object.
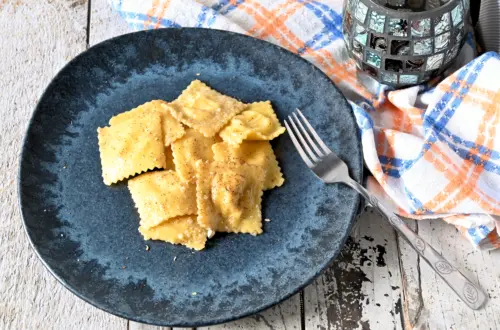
(433, 152)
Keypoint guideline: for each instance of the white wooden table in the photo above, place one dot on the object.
(378, 282)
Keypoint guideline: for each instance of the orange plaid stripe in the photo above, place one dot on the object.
(454, 219)
(380, 142)
(491, 119)
(391, 143)
(455, 177)
(162, 12)
(486, 202)
(151, 12)
(477, 96)
(414, 114)
(401, 121)
(343, 73)
(463, 230)
(264, 27)
(270, 23)
(384, 142)
(378, 174)
(459, 189)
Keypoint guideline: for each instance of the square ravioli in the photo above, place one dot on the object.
(131, 147)
(192, 147)
(258, 153)
(257, 122)
(162, 195)
(179, 230)
(172, 129)
(229, 197)
(204, 109)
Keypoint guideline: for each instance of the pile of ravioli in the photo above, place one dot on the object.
(196, 166)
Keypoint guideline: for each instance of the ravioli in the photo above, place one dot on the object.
(131, 147)
(257, 122)
(172, 129)
(192, 147)
(203, 108)
(160, 196)
(188, 183)
(229, 196)
(179, 230)
(258, 153)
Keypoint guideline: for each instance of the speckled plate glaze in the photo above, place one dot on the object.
(86, 233)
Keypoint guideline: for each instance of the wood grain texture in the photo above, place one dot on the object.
(361, 290)
(104, 22)
(439, 307)
(285, 316)
(139, 326)
(36, 38)
(413, 304)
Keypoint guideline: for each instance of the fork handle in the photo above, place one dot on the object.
(470, 294)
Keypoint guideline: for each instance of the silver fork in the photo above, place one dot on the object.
(331, 169)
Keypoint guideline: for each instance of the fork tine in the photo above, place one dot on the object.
(298, 146)
(313, 132)
(308, 137)
(303, 141)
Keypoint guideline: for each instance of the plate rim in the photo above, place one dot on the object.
(135, 318)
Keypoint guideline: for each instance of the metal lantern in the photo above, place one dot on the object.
(404, 42)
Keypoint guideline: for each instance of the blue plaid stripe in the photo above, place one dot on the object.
(164, 22)
(475, 235)
(476, 159)
(129, 16)
(391, 171)
(416, 204)
(365, 122)
(200, 21)
(215, 11)
(484, 230)
(332, 29)
(229, 8)
(222, 7)
(432, 124)
(393, 161)
(470, 69)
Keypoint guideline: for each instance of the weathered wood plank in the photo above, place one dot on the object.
(139, 326)
(36, 39)
(285, 316)
(440, 307)
(361, 290)
(413, 305)
(104, 22)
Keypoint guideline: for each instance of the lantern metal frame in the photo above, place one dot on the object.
(404, 47)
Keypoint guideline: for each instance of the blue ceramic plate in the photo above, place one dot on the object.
(86, 232)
